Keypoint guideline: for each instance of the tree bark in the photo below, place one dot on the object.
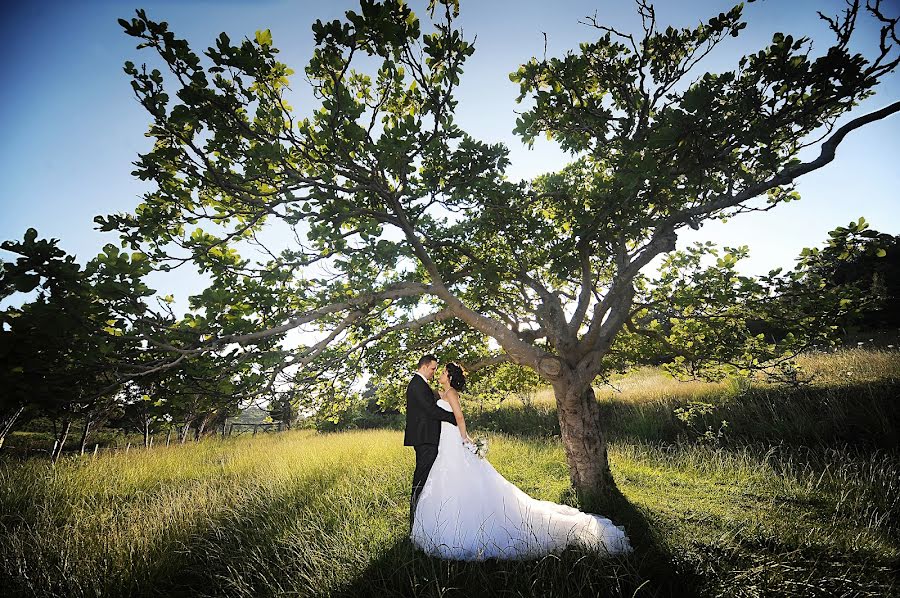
(9, 422)
(60, 441)
(198, 433)
(84, 433)
(184, 432)
(584, 440)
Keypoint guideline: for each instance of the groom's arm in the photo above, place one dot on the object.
(423, 396)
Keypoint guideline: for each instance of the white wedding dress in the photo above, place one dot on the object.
(468, 511)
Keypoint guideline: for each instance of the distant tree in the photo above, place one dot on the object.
(283, 409)
(143, 410)
(863, 262)
(706, 320)
(205, 390)
(501, 382)
(410, 236)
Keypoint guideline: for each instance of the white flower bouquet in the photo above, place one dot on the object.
(479, 447)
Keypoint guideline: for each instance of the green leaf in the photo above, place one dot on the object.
(264, 37)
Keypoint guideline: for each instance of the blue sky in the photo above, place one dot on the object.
(71, 126)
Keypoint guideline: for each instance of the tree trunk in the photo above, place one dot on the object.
(8, 423)
(84, 433)
(584, 441)
(146, 433)
(198, 433)
(182, 436)
(168, 435)
(61, 441)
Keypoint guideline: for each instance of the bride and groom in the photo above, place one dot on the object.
(461, 508)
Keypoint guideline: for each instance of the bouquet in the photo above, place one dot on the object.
(478, 447)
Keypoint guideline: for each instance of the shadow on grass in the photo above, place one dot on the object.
(775, 568)
(239, 552)
(402, 570)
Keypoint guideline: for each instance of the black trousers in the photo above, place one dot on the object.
(425, 456)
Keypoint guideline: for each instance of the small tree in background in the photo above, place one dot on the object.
(64, 352)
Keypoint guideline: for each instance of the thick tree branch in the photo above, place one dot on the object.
(354, 304)
(784, 177)
(621, 290)
(444, 314)
(587, 286)
(486, 362)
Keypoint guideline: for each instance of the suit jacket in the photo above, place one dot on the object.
(423, 416)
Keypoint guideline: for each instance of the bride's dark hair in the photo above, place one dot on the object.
(457, 376)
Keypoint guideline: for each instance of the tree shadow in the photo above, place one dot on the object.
(207, 557)
(665, 573)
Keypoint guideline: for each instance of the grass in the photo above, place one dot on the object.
(802, 499)
(307, 515)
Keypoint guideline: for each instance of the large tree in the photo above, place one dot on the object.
(406, 233)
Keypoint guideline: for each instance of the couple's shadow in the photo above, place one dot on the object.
(402, 570)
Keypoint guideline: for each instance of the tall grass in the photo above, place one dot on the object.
(798, 501)
(310, 515)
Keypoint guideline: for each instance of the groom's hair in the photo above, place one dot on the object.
(426, 359)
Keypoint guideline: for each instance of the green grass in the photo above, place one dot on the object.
(801, 499)
(305, 514)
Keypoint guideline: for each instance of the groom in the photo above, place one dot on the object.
(423, 425)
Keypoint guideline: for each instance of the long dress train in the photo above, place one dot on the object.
(468, 511)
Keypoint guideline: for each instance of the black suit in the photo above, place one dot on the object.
(423, 432)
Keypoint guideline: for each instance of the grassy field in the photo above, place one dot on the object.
(306, 514)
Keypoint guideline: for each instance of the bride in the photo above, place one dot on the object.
(468, 511)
